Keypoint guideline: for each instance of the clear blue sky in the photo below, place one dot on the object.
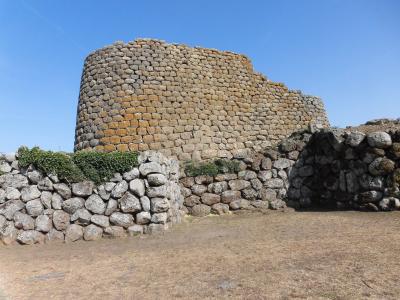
(347, 52)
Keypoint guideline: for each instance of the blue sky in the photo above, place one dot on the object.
(347, 52)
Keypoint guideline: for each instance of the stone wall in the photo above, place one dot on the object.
(329, 169)
(35, 208)
(347, 170)
(190, 103)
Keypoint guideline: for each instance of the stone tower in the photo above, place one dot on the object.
(192, 103)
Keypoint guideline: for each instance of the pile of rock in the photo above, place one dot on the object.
(35, 208)
(347, 170)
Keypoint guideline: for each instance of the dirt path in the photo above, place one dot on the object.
(295, 255)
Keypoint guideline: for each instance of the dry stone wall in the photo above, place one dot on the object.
(190, 103)
(35, 208)
(329, 169)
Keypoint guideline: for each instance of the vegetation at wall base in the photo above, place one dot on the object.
(213, 168)
(73, 167)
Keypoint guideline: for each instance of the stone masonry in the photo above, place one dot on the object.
(190, 103)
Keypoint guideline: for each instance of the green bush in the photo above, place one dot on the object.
(211, 168)
(95, 166)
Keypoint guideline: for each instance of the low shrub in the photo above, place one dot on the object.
(74, 167)
(211, 168)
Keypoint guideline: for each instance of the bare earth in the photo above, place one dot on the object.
(275, 255)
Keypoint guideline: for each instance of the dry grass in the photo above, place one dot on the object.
(292, 255)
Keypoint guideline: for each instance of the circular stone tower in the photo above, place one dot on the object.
(192, 103)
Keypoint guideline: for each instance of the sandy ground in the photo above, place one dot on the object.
(275, 255)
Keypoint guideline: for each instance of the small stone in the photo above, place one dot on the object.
(112, 206)
(60, 219)
(34, 207)
(100, 220)
(150, 167)
(132, 174)
(264, 175)
(108, 186)
(4, 167)
(34, 176)
(220, 208)
(92, 233)
(157, 191)
(9, 208)
(120, 219)
(73, 204)
(119, 189)
(266, 163)
(381, 166)
(95, 204)
(30, 237)
(274, 183)
(73, 233)
(379, 140)
(156, 179)
(81, 217)
(187, 182)
(12, 193)
(63, 190)
(203, 179)
(45, 198)
(135, 230)
(145, 202)
(239, 204)
(355, 138)
(229, 196)
(114, 232)
(43, 223)
(82, 189)
(17, 181)
(160, 218)
(277, 204)
(23, 221)
(129, 203)
(192, 200)
(260, 204)
(45, 184)
(217, 187)
(210, 199)
(238, 184)
(56, 201)
(249, 194)
(158, 205)
(136, 186)
(143, 218)
(8, 233)
(199, 189)
(200, 210)
(369, 196)
(103, 193)
(247, 175)
(282, 163)
(29, 193)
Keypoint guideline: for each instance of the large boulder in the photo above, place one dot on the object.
(129, 203)
(82, 189)
(137, 187)
(60, 219)
(119, 189)
(23, 221)
(92, 233)
(29, 193)
(73, 233)
(73, 204)
(43, 223)
(95, 204)
(379, 139)
(34, 207)
(120, 219)
(158, 205)
(200, 210)
(30, 237)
